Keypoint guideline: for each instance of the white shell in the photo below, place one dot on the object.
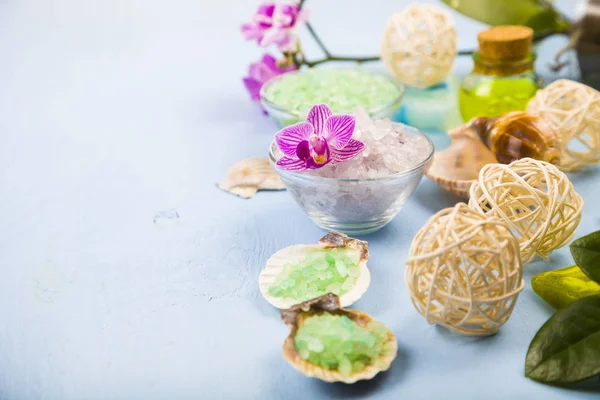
(456, 168)
(295, 254)
(247, 177)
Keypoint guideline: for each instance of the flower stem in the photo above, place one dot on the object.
(300, 61)
(359, 60)
(317, 39)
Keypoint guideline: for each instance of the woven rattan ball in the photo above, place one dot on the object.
(534, 198)
(464, 271)
(574, 109)
(419, 45)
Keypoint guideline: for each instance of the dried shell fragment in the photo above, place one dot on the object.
(457, 167)
(297, 253)
(295, 316)
(337, 239)
(247, 177)
(519, 135)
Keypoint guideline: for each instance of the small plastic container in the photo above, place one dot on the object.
(503, 78)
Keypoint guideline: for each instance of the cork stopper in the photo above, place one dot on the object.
(507, 42)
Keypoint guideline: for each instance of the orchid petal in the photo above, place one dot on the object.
(288, 43)
(284, 15)
(288, 138)
(317, 117)
(253, 87)
(303, 150)
(264, 14)
(270, 62)
(272, 35)
(252, 31)
(291, 164)
(260, 72)
(338, 130)
(311, 164)
(319, 146)
(351, 150)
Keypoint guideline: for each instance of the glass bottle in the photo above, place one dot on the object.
(503, 79)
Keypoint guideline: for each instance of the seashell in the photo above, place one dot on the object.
(295, 316)
(483, 141)
(247, 177)
(457, 167)
(297, 253)
(517, 135)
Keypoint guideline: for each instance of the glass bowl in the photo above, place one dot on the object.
(353, 206)
(284, 117)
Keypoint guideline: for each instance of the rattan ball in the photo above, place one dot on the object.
(574, 109)
(464, 271)
(534, 198)
(419, 45)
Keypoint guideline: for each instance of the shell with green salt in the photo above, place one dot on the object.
(295, 317)
(294, 255)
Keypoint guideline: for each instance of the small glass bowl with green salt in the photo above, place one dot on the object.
(289, 97)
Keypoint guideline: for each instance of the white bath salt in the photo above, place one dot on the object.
(388, 150)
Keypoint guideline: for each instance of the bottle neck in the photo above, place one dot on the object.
(486, 66)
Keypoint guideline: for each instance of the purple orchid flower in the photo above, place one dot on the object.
(274, 24)
(324, 138)
(260, 72)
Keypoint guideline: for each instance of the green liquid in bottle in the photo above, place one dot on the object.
(492, 96)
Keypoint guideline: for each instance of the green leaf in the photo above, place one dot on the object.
(564, 286)
(586, 253)
(567, 347)
(540, 15)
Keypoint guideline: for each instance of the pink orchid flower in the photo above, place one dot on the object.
(260, 72)
(324, 138)
(274, 24)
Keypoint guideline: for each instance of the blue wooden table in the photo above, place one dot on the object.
(125, 274)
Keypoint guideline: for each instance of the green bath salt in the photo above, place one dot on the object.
(320, 272)
(335, 342)
(343, 90)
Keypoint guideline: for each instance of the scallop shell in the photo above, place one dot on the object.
(247, 177)
(457, 167)
(330, 303)
(296, 253)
